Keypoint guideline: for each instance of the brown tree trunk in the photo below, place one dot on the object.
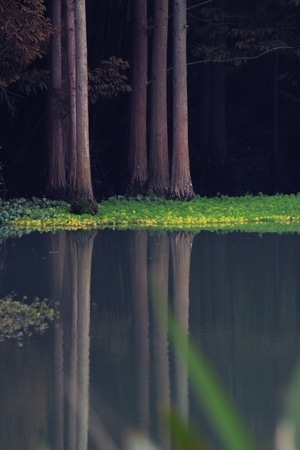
(158, 157)
(57, 170)
(275, 122)
(84, 190)
(212, 123)
(204, 103)
(217, 118)
(181, 184)
(138, 165)
(71, 69)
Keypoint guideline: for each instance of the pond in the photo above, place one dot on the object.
(106, 370)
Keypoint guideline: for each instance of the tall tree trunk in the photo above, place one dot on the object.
(138, 165)
(57, 170)
(275, 122)
(158, 157)
(204, 103)
(217, 122)
(71, 68)
(212, 123)
(181, 184)
(84, 190)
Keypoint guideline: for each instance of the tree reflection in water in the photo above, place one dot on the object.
(113, 366)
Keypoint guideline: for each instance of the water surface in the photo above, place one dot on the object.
(107, 366)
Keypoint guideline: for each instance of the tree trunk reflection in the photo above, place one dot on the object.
(138, 245)
(72, 259)
(158, 289)
(181, 248)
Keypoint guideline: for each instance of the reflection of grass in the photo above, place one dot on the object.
(19, 319)
(278, 213)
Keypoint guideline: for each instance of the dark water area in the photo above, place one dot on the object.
(107, 366)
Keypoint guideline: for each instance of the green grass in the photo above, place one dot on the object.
(261, 213)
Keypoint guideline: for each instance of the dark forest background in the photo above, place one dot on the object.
(249, 48)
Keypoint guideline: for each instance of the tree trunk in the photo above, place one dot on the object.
(275, 122)
(204, 103)
(138, 165)
(181, 184)
(158, 157)
(83, 197)
(217, 122)
(57, 173)
(71, 68)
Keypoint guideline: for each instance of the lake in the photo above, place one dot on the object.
(105, 372)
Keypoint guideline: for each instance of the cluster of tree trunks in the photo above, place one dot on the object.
(172, 134)
(69, 164)
(179, 184)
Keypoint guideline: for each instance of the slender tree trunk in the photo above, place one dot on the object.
(181, 184)
(275, 123)
(138, 164)
(217, 122)
(80, 180)
(158, 157)
(204, 111)
(57, 174)
(71, 67)
(83, 176)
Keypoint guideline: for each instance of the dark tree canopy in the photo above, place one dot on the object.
(24, 34)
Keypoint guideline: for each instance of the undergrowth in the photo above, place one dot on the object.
(261, 213)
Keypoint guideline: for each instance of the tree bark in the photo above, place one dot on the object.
(181, 184)
(57, 170)
(138, 165)
(158, 157)
(275, 122)
(71, 68)
(83, 175)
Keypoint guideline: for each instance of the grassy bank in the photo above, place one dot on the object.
(278, 213)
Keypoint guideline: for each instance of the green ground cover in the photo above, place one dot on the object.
(261, 213)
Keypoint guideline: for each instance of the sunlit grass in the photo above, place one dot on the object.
(262, 213)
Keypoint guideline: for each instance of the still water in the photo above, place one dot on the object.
(106, 369)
